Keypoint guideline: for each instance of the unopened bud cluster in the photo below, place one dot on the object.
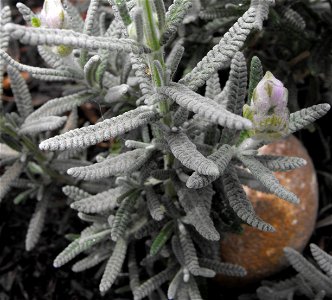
(53, 16)
(268, 109)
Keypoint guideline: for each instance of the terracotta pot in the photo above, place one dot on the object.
(261, 253)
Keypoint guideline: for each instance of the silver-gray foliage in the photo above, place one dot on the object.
(313, 281)
(176, 157)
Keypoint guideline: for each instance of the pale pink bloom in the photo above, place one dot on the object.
(52, 15)
(268, 109)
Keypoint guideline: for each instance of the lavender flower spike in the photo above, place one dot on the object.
(268, 109)
(52, 14)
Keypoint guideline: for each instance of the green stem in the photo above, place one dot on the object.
(123, 11)
(152, 39)
(36, 153)
(150, 26)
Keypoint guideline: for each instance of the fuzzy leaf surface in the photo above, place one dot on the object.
(239, 202)
(114, 265)
(266, 177)
(197, 213)
(186, 152)
(93, 134)
(121, 164)
(204, 107)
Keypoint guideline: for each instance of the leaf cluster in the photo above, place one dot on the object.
(183, 155)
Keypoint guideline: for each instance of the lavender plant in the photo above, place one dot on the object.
(175, 186)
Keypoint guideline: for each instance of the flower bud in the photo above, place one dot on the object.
(268, 109)
(52, 14)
